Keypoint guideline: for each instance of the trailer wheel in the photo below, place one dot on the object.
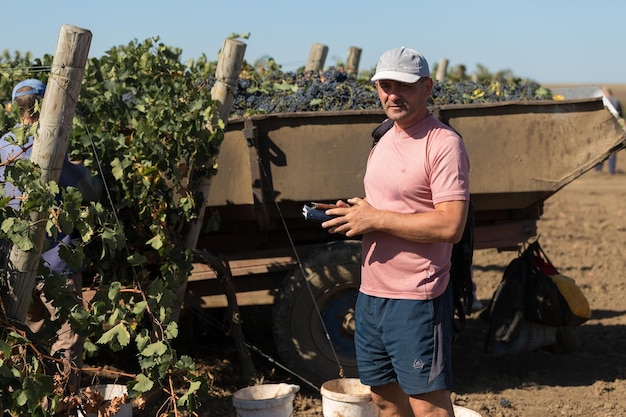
(333, 274)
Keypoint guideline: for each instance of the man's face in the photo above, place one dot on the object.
(405, 104)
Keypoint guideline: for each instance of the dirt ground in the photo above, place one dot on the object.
(619, 90)
(583, 232)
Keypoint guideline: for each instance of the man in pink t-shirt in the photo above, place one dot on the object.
(414, 210)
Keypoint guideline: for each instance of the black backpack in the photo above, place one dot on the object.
(462, 255)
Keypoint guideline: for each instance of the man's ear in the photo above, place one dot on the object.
(429, 83)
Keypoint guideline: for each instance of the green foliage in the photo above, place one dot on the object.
(146, 115)
(147, 125)
(23, 381)
(458, 73)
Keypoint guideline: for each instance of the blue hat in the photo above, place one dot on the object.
(36, 87)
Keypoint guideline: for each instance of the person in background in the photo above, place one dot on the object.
(617, 112)
(26, 95)
(415, 208)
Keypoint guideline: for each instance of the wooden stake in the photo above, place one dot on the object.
(227, 75)
(223, 92)
(442, 69)
(352, 62)
(55, 123)
(317, 57)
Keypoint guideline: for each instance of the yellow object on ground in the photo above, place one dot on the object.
(574, 296)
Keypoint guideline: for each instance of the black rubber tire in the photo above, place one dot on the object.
(333, 274)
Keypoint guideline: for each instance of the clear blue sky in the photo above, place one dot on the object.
(549, 41)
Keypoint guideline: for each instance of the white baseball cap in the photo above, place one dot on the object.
(401, 64)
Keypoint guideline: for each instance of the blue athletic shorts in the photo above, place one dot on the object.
(405, 341)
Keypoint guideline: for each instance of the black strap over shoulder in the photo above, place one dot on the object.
(380, 130)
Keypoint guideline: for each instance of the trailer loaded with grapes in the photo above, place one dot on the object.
(523, 148)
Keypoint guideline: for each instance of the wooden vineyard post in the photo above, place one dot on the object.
(317, 57)
(223, 92)
(227, 76)
(442, 70)
(55, 123)
(352, 62)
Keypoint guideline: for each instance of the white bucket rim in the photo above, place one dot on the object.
(283, 393)
(328, 390)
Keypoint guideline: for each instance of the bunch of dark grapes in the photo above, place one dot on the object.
(466, 92)
(333, 89)
(302, 91)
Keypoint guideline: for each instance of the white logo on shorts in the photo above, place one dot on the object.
(418, 364)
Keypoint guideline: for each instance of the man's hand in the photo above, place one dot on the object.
(351, 218)
(356, 217)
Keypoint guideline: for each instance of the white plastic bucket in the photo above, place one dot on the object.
(110, 391)
(268, 400)
(347, 397)
(464, 412)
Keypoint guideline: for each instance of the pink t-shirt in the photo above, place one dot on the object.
(410, 172)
